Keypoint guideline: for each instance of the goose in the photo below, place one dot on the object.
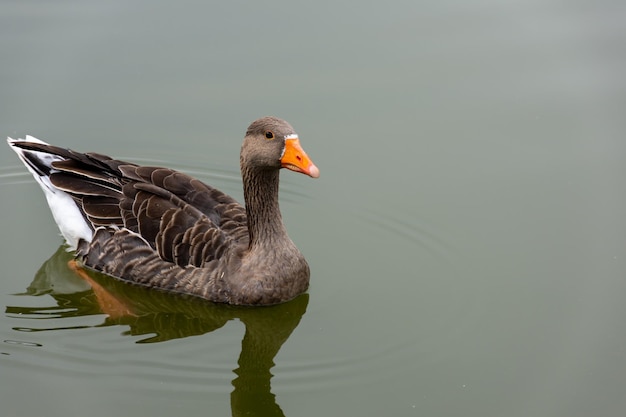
(160, 228)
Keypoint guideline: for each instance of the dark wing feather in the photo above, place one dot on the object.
(184, 220)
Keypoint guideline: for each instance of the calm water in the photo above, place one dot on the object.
(466, 238)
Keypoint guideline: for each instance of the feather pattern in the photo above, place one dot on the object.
(161, 228)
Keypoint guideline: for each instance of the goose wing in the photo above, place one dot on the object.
(183, 220)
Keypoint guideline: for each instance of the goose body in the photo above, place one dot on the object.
(161, 228)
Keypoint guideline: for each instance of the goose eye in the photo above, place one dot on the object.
(269, 135)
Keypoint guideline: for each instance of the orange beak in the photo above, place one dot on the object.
(295, 159)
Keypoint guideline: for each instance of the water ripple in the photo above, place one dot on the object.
(22, 343)
(14, 174)
(408, 227)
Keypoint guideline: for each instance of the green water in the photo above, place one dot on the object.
(466, 236)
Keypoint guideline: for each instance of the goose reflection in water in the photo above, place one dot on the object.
(165, 317)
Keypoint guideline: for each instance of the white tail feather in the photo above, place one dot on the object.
(66, 213)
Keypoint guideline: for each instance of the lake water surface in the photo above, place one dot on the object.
(466, 237)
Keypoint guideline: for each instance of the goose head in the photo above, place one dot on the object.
(271, 144)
